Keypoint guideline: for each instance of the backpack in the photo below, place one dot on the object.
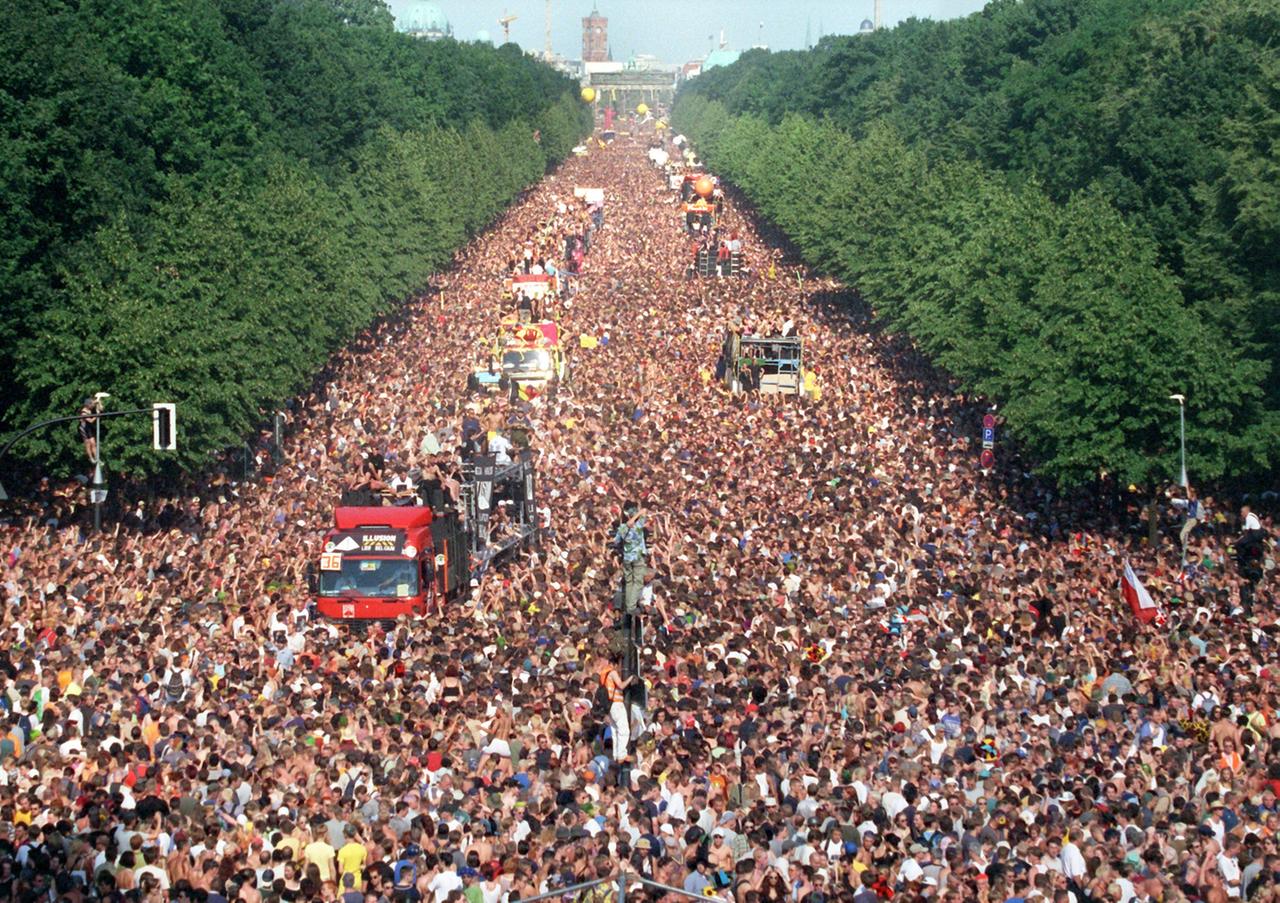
(600, 701)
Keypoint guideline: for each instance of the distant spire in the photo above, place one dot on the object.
(808, 39)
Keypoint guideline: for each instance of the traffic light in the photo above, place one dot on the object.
(164, 426)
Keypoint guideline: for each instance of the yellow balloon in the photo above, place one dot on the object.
(642, 109)
(589, 94)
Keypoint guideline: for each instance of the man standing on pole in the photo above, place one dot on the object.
(630, 539)
(87, 428)
(1195, 510)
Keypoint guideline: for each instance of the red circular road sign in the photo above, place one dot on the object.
(987, 459)
(989, 422)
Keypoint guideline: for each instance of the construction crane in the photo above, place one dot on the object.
(546, 50)
(505, 22)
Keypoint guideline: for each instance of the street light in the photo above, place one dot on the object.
(164, 420)
(98, 489)
(1182, 434)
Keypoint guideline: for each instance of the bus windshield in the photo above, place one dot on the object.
(377, 578)
(526, 361)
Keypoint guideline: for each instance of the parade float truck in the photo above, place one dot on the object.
(769, 365)
(533, 360)
(536, 286)
(684, 182)
(699, 210)
(382, 561)
(526, 360)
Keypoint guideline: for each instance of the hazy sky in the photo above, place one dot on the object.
(677, 30)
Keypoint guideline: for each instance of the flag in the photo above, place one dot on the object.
(527, 392)
(1140, 602)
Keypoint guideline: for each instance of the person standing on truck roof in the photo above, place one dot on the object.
(500, 448)
(429, 446)
(472, 434)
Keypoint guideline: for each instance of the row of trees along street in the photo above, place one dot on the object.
(1073, 207)
(202, 199)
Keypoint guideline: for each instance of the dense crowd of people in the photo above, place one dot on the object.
(873, 671)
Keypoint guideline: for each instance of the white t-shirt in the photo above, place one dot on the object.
(1127, 890)
(443, 883)
(1229, 866)
(500, 448)
(893, 802)
(156, 872)
(675, 805)
(1073, 865)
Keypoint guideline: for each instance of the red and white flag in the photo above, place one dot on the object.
(1140, 602)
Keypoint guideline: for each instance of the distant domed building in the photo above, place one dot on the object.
(866, 27)
(424, 20)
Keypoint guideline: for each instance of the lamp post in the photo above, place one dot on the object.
(1182, 436)
(98, 489)
(164, 431)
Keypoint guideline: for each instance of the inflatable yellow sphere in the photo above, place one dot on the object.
(704, 186)
(589, 95)
(642, 109)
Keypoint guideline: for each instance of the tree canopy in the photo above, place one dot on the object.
(202, 199)
(1071, 205)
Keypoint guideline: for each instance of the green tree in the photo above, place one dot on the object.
(204, 199)
(946, 161)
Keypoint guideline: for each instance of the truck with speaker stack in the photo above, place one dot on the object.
(382, 561)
